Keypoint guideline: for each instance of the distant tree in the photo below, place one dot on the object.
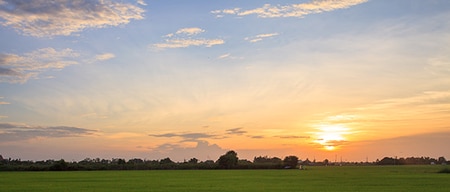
(193, 161)
(60, 165)
(266, 159)
(121, 161)
(166, 161)
(442, 160)
(228, 161)
(307, 162)
(135, 161)
(388, 161)
(118, 161)
(290, 162)
(326, 161)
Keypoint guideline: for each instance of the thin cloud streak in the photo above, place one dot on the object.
(236, 131)
(16, 68)
(19, 132)
(190, 31)
(260, 37)
(186, 136)
(42, 18)
(20, 68)
(3, 102)
(141, 2)
(105, 56)
(187, 37)
(293, 10)
(224, 56)
(293, 137)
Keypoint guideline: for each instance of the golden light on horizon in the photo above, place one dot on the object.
(329, 148)
(331, 137)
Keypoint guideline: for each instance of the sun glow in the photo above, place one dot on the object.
(331, 137)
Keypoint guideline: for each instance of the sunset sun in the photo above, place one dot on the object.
(331, 137)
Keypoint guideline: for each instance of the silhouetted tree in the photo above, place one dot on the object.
(60, 165)
(290, 162)
(193, 161)
(266, 159)
(228, 161)
(387, 161)
(166, 161)
(135, 161)
(326, 161)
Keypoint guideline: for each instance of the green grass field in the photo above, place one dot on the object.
(346, 178)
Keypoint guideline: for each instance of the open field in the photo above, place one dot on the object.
(346, 178)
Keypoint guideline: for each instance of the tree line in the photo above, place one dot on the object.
(411, 161)
(229, 160)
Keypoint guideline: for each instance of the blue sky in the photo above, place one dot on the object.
(152, 79)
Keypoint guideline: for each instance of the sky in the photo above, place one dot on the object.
(354, 80)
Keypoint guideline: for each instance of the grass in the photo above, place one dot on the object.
(376, 178)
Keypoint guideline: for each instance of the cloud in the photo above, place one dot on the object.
(4, 103)
(236, 131)
(8, 72)
(203, 151)
(186, 37)
(224, 56)
(186, 136)
(16, 68)
(182, 43)
(293, 137)
(42, 18)
(141, 2)
(105, 56)
(293, 10)
(18, 132)
(19, 68)
(190, 31)
(260, 37)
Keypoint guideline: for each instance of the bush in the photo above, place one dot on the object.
(445, 170)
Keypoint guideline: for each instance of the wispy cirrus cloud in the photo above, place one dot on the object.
(226, 55)
(15, 68)
(42, 18)
(3, 102)
(20, 68)
(260, 37)
(293, 137)
(293, 10)
(141, 2)
(186, 136)
(104, 56)
(190, 31)
(18, 132)
(187, 37)
(236, 131)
